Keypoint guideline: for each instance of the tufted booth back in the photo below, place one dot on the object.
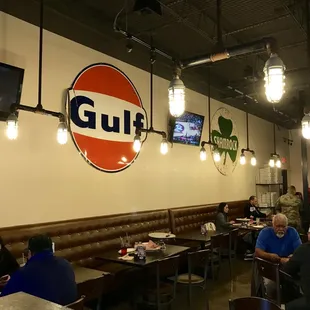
(189, 218)
(80, 240)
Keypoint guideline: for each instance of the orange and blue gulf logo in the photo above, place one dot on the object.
(104, 111)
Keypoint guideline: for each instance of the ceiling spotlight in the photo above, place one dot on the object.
(176, 95)
(274, 78)
(203, 154)
(305, 126)
(12, 126)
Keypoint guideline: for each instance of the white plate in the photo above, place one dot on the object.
(243, 219)
(258, 226)
(161, 235)
(131, 250)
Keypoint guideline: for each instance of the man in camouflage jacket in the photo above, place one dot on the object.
(290, 205)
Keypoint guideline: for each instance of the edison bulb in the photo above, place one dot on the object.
(203, 154)
(164, 147)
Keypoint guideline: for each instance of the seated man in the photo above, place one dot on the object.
(277, 243)
(298, 267)
(44, 275)
(251, 209)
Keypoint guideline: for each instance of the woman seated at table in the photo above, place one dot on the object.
(221, 221)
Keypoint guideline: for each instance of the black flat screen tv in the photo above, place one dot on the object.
(186, 129)
(11, 82)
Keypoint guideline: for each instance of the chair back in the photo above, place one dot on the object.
(217, 242)
(233, 240)
(269, 271)
(173, 263)
(198, 258)
(253, 303)
(77, 305)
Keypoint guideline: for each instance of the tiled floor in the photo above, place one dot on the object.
(219, 292)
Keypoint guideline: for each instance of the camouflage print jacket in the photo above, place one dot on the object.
(290, 205)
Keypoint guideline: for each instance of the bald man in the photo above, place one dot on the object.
(278, 242)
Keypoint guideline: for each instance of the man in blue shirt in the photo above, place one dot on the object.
(44, 275)
(279, 242)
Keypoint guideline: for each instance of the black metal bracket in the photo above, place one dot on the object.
(151, 130)
(37, 110)
(203, 143)
(247, 150)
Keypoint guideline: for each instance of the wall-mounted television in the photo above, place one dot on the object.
(11, 82)
(186, 129)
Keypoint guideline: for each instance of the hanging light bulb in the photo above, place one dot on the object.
(274, 78)
(242, 159)
(271, 161)
(216, 155)
(137, 144)
(164, 147)
(278, 163)
(62, 133)
(176, 94)
(253, 160)
(203, 154)
(305, 126)
(12, 127)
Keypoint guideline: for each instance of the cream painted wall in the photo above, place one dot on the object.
(43, 181)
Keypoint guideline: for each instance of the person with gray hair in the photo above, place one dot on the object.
(290, 205)
(279, 242)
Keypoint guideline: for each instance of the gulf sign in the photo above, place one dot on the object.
(104, 111)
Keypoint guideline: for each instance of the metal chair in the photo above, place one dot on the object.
(216, 246)
(253, 303)
(199, 258)
(269, 271)
(77, 305)
(163, 294)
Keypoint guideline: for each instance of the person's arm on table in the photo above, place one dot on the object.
(222, 222)
(14, 285)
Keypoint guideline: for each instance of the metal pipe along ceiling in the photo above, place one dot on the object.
(256, 46)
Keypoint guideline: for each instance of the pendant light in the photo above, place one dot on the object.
(137, 143)
(176, 94)
(12, 120)
(203, 152)
(247, 149)
(305, 126)
(274, 160)
(274, 78)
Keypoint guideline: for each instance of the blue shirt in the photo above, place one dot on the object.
(45, 276)
(283, 247)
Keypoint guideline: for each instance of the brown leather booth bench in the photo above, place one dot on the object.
(80, 240)
(189, 218)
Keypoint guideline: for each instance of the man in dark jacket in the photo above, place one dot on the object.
(298, 267)
(44, 275)
(251, 209)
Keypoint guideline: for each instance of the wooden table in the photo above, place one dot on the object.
(23, 301)
(151, 257)
(90, 283)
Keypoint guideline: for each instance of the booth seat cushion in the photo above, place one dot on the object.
(190, 218)
(79, 241)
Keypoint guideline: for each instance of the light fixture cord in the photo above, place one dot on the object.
(247, 129)
(151, 89)
(209, 102)
(39, 105)
(274, 138)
